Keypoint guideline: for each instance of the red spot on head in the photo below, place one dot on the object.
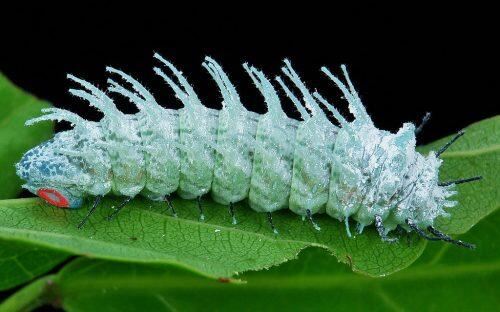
(223, 280)
(53, 197)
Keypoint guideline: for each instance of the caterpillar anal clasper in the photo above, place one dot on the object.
(349, 170)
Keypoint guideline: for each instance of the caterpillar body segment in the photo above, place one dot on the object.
(158, 129)
(274, 150)
(126, 156)
(162, 163)
(272, 164)
(235, 142)
(123, 142)
(314, 142)
(197, 138)
(311, 167)
(234, 157)
(352, 172)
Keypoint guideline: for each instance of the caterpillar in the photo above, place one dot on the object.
(349, 170)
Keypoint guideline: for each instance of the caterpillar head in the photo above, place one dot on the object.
(57, 178)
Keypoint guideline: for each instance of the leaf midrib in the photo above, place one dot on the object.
(154, 213)
(63, 248)
(163, 258)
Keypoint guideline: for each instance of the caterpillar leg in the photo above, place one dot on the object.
(170, 205)
(423, 123)
(231, 212)
(448, 239)
(202, 216)
(309, 216)
(381, 230)
(97, 200)
(359, 228)
(270, 219)
(118, 209)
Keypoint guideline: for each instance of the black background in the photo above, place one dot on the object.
(403, 61)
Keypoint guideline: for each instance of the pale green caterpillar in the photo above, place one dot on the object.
(354, 171)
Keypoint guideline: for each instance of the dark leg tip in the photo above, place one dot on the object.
(231, 212)
(118, 209)
(200, 208)
(170, 206)
(381, 231)
(97, 200)
(314, 224)
(270, 220)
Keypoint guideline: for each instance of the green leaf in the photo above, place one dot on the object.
(445, 278)
(21, 262)
(17, 106)
(34, 295)
(145, 232)
(475, 153)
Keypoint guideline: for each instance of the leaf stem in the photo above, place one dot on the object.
(31, 296)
